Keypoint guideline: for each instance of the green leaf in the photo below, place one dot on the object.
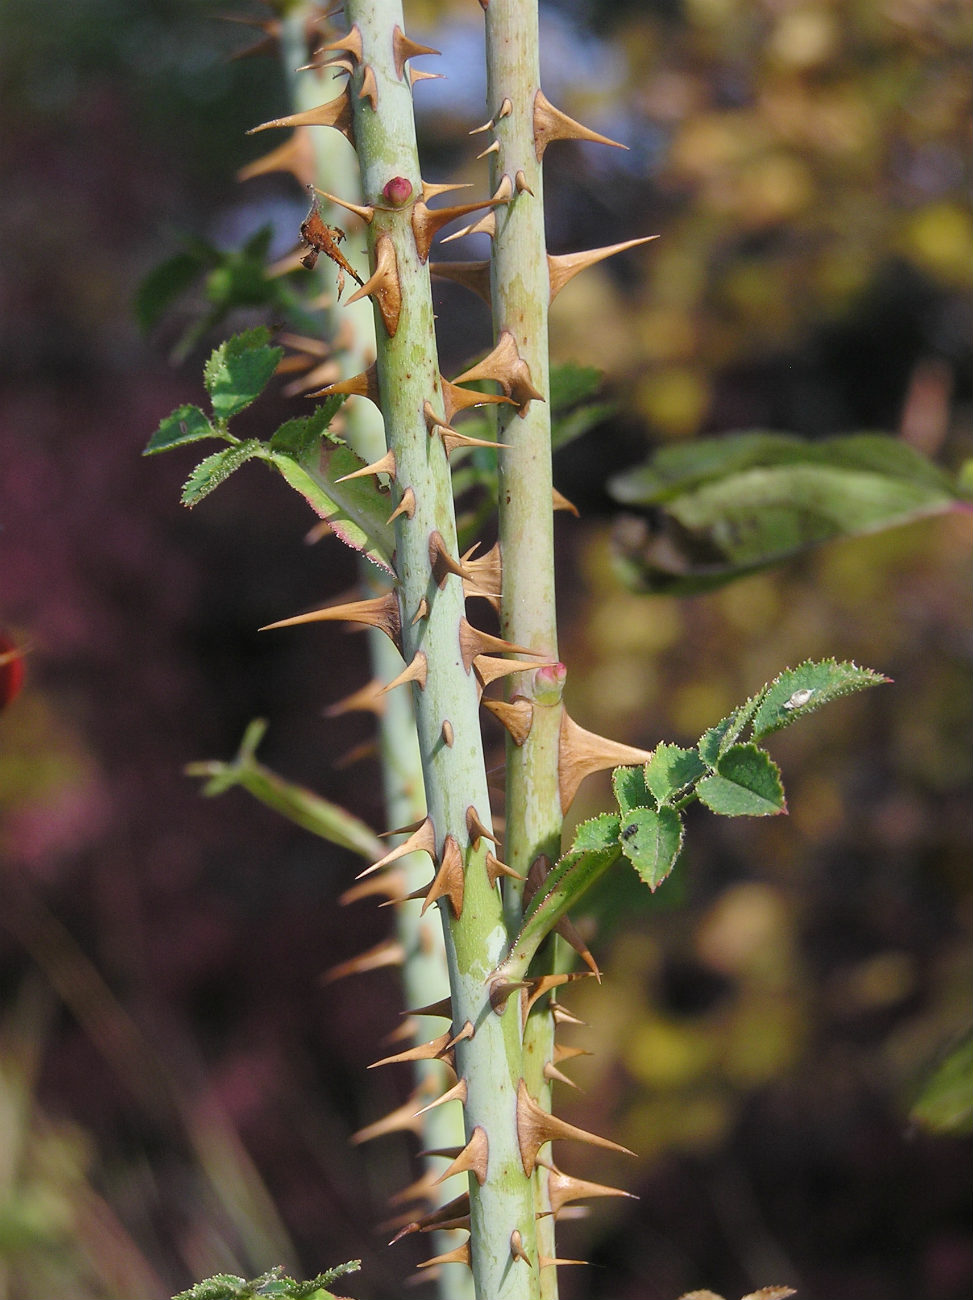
(630, 789)
(651, 840)
(746, 784)
(215, 469)
(711, 741)
(798, 691)
(671, 770)
(227, 1286)
(312, 462)
(163, 285)
(299, 805)
(238, 371)
(945, 1104)
(729, 506)
(594, 850)
(187, 424)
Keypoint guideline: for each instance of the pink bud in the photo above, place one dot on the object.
(549, 683)
(397, 191)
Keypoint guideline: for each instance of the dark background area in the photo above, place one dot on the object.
(176, 1086)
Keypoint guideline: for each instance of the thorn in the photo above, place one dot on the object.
(563, 1189)
(388, 953)
(506, 108)
(473, 642)
(517, 715)
(368, 699)
(500, 991)
(426, 221)
(542, 984)
(404, 49)
(565, 267)
(581, 752)
(416, 671)
(430, 1051)
(450, 1215)
(336, 112)
(562, 503)
(485, 225)
(423, 1189)
(391, 884)
(562, 1016)
(383, 285)
(506, 367)
(476, 829)
(473, 1158)
(458, 1092)
(520, 184)
(351, 41)
(366, 212)
(449, 881)
(404, 1119)
(423, 839)
(444, 1008)
(554, 1075)
(547, 1261)
(369, 86)
(568, 1053)
(295, 155)
(432, 191)
(551, 124)
(451, 440)
(489, 668)
(441, 562)
(362, 385)
(461, 1254)
(517, 1248)
(488, 573)
(416, 74)
(466, 1032)
(386, 465)
(460, 399)
(446, 731)
(496, 869)
(403, 830)
(536, 1126)
(474, 276)
(378, 611)
(491, 148)
(422, 611)
(407, 506)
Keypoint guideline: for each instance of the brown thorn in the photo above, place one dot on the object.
(520, 184)
(385, 465)
(426, 221)
(449, 881)
(441, 1217)
(489, 668)
(486, 225)
(474, 276)
(336, 112)
(500, 991)
(563, 1188)
(517, 715)
(416, 671)
(460, 399)
(444, 1008)
(562, 1016)
(536, 1126)
(367, 699)
(458, 1092)
(432, 191)
(421, 1052)
(517, 1248)
(351, 41)
(422, 611)
(404, 49)
(506, 367)
(441, 562)
(388, 953)
(495, 869)
(461, 1255)
(544, 983)
(491, 148)
(446, 731)
(551, 124)
(407, 506)
(416, 74)
(548, 1261)
(465, 1033)
(566, 266)
(390, 884)
(404, 1119)
(562, 503)
(581, 752)
(452, 440)
(473, 642)
(383, 286)
(362, 385)
(369, 86)
(378, 611)
(474, 1158)
(295, 155)
(554, 1075)
(476, 829)
(422, 839)
(403, 830)
(366, 212)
